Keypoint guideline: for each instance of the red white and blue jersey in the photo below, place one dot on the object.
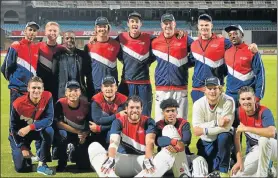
(74, 117)
(244, 69)
(135, 56)
(171, 72)
(20, 64)
(25, 112)
(209, 59)
(104, 113)
(261, 119)
(132, 135)
(183, 128)
(103, 60)
(44, 70)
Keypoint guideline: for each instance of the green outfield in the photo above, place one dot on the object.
(7, 169)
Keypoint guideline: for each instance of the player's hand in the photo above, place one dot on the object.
(171, 149)
(26, 153)
(108, 165)
(123, 113)
(93, 38)
(198, 131)
(237, 167)
(253, 48)
(148, 165)
(219, 35)
(241, 128)
(24, 131)
(82, 137)
(15, 43)
(180, 146)
(222, 122)
(93, 127)
(180, 34)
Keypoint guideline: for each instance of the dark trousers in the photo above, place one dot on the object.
(14, 94)
(217, 153)
(62, 139)
(195, 95)
(144, 91)
(24, 165)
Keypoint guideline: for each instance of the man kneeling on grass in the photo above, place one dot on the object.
(31, 119)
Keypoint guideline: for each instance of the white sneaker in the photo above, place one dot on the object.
(35, 159)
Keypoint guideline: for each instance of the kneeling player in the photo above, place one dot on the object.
(31, 119)
(173, 139)
(71, 114)
(257, 123)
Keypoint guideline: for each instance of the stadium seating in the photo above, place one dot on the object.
(153, 25)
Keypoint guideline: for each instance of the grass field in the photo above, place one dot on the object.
(7, 169)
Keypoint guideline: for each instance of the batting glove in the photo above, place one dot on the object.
(147, 164)
(108, 164)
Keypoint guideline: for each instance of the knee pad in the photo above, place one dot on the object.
(199, 167)
(171, 132)
(94, 149)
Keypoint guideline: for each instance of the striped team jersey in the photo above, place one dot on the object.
(209, 59)
(132, 135)
(20, 64)
(244, 69)
(261, 119)
(103, 60)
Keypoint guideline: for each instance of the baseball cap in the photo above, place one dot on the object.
(108, 79)
(234, 27)
(72, 84)
(170, 102)
(212, 81)
(101, 21)
(205, 17)
(32, 23)
(167, 16)
(134, 14)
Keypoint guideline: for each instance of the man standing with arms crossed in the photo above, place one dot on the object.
(208, 51)
(212, 118)
(171, 73)
(257, 123)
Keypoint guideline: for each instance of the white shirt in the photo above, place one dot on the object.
(205, 117)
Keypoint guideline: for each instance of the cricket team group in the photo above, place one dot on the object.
(72, 104)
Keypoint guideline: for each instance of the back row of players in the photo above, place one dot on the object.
(210, 55)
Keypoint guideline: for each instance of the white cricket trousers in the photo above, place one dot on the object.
(256, 162)
(179, 95)
(127, 165)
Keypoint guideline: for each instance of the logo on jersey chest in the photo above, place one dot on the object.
(243, 58)
(214, 45)
(110, 49)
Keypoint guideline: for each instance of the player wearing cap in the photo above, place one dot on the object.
(208, 51)
(171, 73)
(135, 56)
(105, 107)
(173, 139)
(212, 118)
(72, 116)
(131, 146)
(31, 119)
(244, 67)
(103, 54)
(71, 64)
(258, 125)
(20, 63)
